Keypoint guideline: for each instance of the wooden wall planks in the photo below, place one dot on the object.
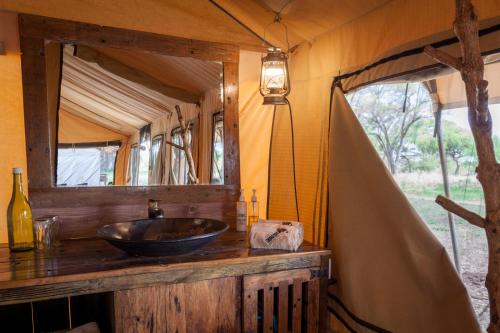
(204, 306)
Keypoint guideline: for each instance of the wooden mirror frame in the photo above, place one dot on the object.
(83, 209)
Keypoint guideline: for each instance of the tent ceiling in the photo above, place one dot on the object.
(97, 95)
(200, 19)
(305, 19)
(197, 76)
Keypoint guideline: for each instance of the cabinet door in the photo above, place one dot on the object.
(285, 301)
(204, 306)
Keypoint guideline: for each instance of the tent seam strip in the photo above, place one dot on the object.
(414, 51)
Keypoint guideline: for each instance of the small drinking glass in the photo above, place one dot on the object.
(46, 232)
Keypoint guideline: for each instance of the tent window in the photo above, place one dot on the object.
(133, 166)
(178, 163)
(86, 164)
(217, 166)
(145, 147)
(156, 160)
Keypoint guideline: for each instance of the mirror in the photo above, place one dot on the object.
(135, 118)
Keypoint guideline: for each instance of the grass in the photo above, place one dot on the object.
(422, 189)
(435, 216)
(462, 191)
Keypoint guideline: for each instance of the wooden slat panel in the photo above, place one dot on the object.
(250, 311)
(313, 306)
(297, 306)
(283, 307)
(282, 280)
(268, 308)
(256, 282)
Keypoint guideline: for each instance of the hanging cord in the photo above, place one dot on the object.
(293, 162)
(241, 23)
(269, 163)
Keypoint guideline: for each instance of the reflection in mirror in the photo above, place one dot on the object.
(137, 119)
(217, 174)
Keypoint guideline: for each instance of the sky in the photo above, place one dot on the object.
(459, 116)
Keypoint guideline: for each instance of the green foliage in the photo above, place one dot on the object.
(390, 113)
(459, 145)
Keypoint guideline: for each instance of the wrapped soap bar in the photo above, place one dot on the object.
(278, 235)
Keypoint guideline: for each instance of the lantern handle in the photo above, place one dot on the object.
(277, 20)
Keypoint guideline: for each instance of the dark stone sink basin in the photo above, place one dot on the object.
(163, 236)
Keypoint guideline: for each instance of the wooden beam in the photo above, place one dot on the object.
(132, 74)
(39, 123)
(231, 126)
(71, 32)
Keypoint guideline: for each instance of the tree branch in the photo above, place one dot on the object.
(443, 57)
(187, 147)
(460, 211)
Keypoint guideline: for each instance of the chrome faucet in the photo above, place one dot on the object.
(154, 210)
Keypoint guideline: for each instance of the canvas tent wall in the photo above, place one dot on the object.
(335, 37)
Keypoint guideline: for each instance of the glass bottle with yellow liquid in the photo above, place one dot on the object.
(19, 218)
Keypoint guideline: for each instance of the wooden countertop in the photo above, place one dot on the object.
(92, 265)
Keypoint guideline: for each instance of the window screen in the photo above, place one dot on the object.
(156, 160)
(217, 167)
(179, 167)
(133, 165)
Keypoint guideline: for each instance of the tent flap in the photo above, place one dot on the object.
(374, 232)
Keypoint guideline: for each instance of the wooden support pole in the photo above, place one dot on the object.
(446, 185)
(471, 67)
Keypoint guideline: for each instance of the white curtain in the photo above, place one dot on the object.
(390, 269)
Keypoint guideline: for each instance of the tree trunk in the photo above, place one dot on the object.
(392, 164)
(471, 67)
(457, 167)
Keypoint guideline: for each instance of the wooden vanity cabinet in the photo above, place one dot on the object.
(203, 306)
(224, 287)
(284, 301)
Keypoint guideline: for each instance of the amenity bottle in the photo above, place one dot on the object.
(241, 213)
(19, 218)
(253, 209)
